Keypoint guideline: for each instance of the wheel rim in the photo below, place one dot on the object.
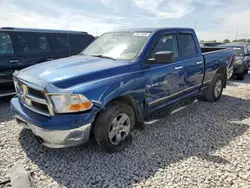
(218, 88)
(119, 129)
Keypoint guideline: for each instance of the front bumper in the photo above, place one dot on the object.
(58, 138)
(52, 135)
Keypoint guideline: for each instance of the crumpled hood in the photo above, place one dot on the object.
(71, 71)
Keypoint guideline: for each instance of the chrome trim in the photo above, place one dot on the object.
(59, 138)
(207, 81)
(152, 121)
(178, 68)
(199, 62)
(177, 93)
(36, 99)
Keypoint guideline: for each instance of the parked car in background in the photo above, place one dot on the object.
(242, 59)
(20, 48)
(124, 78)
(209, 44)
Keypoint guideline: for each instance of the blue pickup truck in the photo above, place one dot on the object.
(124, 79)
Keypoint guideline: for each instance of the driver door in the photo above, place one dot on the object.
(164, 81)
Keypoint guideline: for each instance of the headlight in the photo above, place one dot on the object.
(69, 103)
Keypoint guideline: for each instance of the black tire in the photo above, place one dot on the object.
(209, 94)
(241, 76)
(246, 71)
(103, 126)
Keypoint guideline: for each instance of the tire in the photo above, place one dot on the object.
(108, 127)
(241, 76)
(209, 94)
(246, 71)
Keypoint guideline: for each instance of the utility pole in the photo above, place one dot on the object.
(236, 34)
(194, 24)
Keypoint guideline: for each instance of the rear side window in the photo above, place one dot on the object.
(166, 43)
(63, 42)
(6, 46)
(24, 43)
(44, 45)
(187, 45)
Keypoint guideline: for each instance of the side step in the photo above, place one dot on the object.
(173, 112)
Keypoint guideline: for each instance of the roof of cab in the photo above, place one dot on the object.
(152, 29)
(41, 30)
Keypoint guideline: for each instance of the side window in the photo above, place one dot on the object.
(6, 46)
(63, 42)
(24, 43)
(166, 43)
(43, 44)
(187, 45)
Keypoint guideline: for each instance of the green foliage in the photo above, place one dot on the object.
(226, 41)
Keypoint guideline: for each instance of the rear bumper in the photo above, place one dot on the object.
(58, 131)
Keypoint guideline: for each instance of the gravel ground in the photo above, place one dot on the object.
(205, 145)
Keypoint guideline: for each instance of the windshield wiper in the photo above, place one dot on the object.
(103, 56)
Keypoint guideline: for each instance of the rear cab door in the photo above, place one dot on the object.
(193, 63)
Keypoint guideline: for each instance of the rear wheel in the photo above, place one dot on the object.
(214, 91)
(113, 127)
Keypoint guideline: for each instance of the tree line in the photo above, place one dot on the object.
(228, 41)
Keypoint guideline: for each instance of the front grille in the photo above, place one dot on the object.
(32, 98)
(35, 93)
(39, 106)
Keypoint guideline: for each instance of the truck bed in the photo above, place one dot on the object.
(216, 56)
(210, 49)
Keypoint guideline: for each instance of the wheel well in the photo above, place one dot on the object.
(139, 115)
(223, 71)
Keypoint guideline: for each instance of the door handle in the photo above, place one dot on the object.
(13, 61)
(199, 62)
(178, 68)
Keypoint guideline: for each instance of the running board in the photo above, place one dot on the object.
(7, 94)
(173, 112)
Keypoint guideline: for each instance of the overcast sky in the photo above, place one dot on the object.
(215, 19)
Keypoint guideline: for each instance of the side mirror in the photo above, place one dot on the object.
(162, 57)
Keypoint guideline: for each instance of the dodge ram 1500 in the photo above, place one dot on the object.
(124, 79)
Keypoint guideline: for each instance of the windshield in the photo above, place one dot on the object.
(118, 46)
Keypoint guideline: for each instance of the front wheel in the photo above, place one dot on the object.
(113, 127)
(214, 91)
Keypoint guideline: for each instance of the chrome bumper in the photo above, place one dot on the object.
(58, 138)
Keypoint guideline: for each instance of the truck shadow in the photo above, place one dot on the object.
(197, 131)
